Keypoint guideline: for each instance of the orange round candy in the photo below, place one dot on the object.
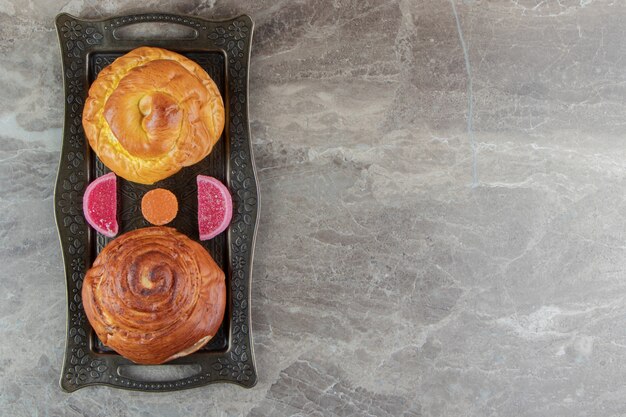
(159, 206)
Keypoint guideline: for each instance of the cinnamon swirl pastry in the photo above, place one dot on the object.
(153, 295)
(152, 112)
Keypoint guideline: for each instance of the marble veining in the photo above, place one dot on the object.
(442, 221)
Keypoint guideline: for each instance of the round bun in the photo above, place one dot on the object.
(152, 112)
(153, 295)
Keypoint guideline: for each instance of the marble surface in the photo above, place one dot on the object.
(443, 210)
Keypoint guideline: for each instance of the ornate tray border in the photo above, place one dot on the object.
(78, 38)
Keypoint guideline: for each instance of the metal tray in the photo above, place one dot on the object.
(222, 48)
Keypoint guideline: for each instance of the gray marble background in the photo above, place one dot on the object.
(443, 220)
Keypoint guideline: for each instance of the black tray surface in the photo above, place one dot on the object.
(222, 48)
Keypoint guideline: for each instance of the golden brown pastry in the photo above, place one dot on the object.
(152, 112)
(153, 295)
